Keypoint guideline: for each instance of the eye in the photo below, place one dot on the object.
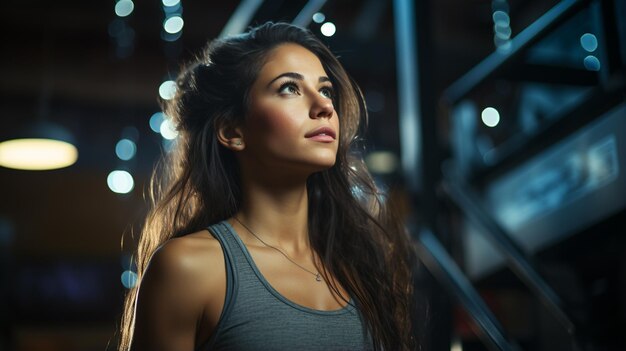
(328, 92)
(288, 88)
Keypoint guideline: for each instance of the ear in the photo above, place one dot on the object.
(230, 137)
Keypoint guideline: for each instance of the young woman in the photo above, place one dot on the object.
(267, 231)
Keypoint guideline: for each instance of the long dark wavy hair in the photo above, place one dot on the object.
(351, 227)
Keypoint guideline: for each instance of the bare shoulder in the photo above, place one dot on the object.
(185, 280)
(197, 256)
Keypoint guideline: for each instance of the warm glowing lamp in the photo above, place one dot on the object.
(43, 146)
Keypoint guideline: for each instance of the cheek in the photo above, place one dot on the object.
(271, 120)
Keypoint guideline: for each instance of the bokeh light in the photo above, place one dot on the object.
(129, 279)
(124, 8)
(170, 3)
(328, 29)
(501, 18)
(120, 182)
(589, 42)
(318, 17)
(592, 63)
(37, 154)
(155, 121)
(490, 117)
(167, 129)
(173, 24)
(167, 89)
(125, 149)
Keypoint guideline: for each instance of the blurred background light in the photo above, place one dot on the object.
(167, 89)
(167, 129)
(173, 24)
(124, 8)
(490, 117)
(125, 149)
(318, 17)
(328, 29)
(503, 31)
(382, 162)
(37, 154)
(591, 63)
(589, 42)
(120, 182)
(174, 10)
(129, 279)
(155, 121)
(170, 37)
(501, 18)
(170, 3)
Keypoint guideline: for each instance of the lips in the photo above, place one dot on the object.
(321, 131)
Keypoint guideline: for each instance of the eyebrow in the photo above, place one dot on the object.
(296, 76)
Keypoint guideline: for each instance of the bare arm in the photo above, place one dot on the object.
(185, 278)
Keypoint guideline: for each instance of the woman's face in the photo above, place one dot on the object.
(289, 101)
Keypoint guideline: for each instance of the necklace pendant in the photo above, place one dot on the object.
(318, 278)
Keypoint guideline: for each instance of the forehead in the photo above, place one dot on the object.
(291, 58)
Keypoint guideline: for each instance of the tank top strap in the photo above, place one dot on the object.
(233, 259)
(242, 264)
(241, 281)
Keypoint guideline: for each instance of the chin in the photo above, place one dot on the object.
(316, 165)
(322, 166)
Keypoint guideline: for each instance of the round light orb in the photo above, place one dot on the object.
(125, 149)
(490, 117)
(318, 17)
(129, 279)
(501, 18)
(120, 182)
(124, 8)
(155, 121)
(167, 89)
(328, 29)
(173, 24)
(168, 130)
(589, 42)
(592, 63)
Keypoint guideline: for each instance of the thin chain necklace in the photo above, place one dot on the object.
(316, 275)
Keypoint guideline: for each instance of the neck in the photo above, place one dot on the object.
(276, 211)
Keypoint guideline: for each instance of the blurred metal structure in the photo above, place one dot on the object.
(439, 262)
(499, 60)
(584, 104)
(306, 14)
(240, 19)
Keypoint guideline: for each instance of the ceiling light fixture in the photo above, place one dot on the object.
(42, 145)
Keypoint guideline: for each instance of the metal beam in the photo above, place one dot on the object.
(304, 17)
(408, 93)
(442, 266)
(493, 63)
(526, 72)
(241, 17)
(472, 207)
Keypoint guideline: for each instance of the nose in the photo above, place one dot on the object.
(321, 107)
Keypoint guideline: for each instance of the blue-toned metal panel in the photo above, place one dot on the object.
(567, 188)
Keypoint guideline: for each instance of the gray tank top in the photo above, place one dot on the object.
(257, 317)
